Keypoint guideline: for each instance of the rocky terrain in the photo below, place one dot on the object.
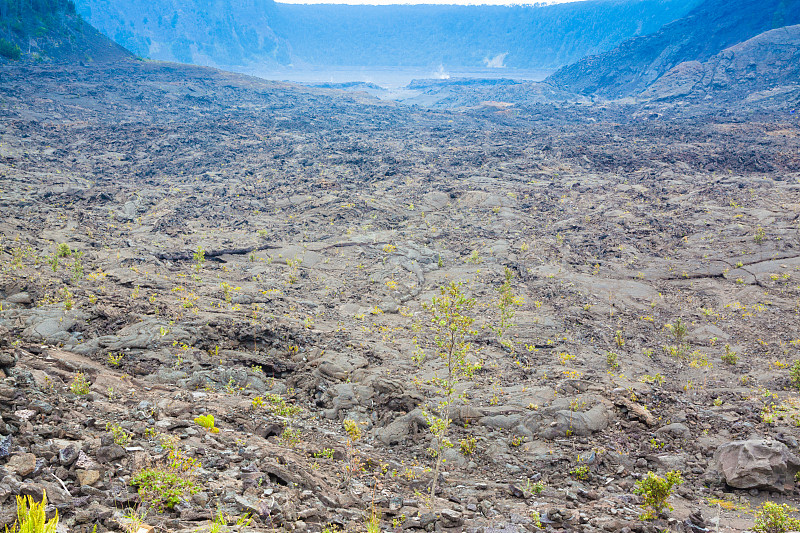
(179, 242)
(707, 30)
(731, 54)
(469, 93)
(766, 64)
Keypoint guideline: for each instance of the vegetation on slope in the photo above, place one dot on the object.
(50, 29)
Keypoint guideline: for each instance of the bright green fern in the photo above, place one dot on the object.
(31, 517)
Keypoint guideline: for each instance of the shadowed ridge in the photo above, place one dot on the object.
(51, 30)
(703, 33)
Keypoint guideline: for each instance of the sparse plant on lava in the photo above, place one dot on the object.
(450, 330)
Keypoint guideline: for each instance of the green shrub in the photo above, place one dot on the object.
(31, 517)
(292, 436)
(199, 258)
(121, 437)
(66, 296)
(257, 402)
(537, 520)
(655, 491)
(619, 339)
(451, 329)
(163, 489)
(794, 374)
(373, 521)
(506, 306)
(730, 356)
(115, 360)
(533, 488)
(9, 50)
(468, 445)
(80, 385)
(678, 330)
(62, 250)
(353, 435)
(581, 472)
(280, 407)
(77, 267)
(352, 429)
(207, 421)
(774, 518)
(760, 235)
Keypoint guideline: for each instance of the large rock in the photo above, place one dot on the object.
(7, 359)
(676, 430)
(87, 477)
(506, 422)
(566, 422)
(146, 335)
(757, 464)
(22, 464)
(22, 298)
(112, 452)
(56, 495)
(68, 455)
(50, 324)
(401, 427)
(346, 396)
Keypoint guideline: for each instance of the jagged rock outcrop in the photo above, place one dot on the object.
(768, 60)
(707, 30)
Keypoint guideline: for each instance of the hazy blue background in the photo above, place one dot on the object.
(262, 36)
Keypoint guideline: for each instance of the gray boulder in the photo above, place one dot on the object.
(676, 430)
(502, 421)
(56, 495)
(50, 324)
(346, 396)
(68, 455)
(112, 452)
(149, 334)
(757, 464)
(401, 427)
(22, 298)
(566, 422)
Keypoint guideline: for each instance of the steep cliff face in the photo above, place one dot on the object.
(51, 30)
(765, 62)
(263, 33)
(203, 32)
(707, 30)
